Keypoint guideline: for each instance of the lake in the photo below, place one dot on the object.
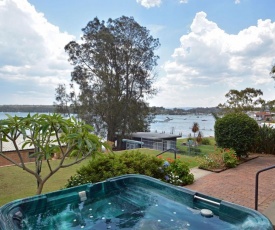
(179, 124)
(182, 124)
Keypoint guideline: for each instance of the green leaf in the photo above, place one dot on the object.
(44, 128)
(74, 153)
(29, 143)
(73, 136)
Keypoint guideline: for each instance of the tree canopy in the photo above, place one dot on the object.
(243, 100)
(272, 72)
(63, 100)
(114, 70)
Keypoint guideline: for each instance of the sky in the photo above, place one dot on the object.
(208, 47)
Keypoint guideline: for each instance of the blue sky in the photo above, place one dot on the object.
(207, 47)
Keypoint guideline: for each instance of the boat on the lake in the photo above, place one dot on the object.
(167, 119)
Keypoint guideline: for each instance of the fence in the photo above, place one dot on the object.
(159, 145)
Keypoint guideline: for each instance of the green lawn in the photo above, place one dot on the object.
(16, 183)
(203, 149)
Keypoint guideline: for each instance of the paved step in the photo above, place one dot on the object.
(198, 173)
(270, 213)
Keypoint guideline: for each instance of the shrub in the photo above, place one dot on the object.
(134, 162)
(266, 140)
(237, 131)
(205, 141)
(178, 173)
(213, 160)
(219, 159)
(230, 158)
(194, 150)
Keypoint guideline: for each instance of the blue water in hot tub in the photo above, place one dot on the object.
(133, 208)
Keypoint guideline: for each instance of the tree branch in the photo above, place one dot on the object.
(10, 160)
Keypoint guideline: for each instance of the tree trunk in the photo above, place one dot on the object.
(39, 188)
(111, 135)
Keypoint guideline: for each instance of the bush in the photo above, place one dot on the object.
(219, 159)
(230, 158)
(237, 131)
(205, 141)
(212, 160)
(266, 140)
(177, 173)
(194, 150)
(134, 162)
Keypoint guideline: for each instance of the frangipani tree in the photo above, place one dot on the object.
(49, 135)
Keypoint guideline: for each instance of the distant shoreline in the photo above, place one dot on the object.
(27, 108)
(154, 110)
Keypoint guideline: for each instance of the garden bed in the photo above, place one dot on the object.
(241, 161)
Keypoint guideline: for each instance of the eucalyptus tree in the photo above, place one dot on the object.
(243, 100)
(272, 71)
(270, 105)
(48, 135)
(66, 102)
(114, 68)
(63, 100)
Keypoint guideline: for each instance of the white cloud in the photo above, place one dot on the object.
(149, 3)
(33, 50)
(155, 29)
(154, 3)
(210, 62)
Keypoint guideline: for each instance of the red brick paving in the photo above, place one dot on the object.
(237, 185)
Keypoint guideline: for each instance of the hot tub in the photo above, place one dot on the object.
(128, 202)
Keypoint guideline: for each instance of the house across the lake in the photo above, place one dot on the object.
(158, 141)
(263, 116)
(8, 149)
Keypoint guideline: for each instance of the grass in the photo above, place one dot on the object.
(203, 149)
(16, 183)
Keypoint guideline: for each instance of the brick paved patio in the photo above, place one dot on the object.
(237, 185)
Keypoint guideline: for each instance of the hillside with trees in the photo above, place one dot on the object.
(183, 111)
(155, 110)
(27, 108)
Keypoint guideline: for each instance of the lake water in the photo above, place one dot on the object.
(182, 124)
(179, 124)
